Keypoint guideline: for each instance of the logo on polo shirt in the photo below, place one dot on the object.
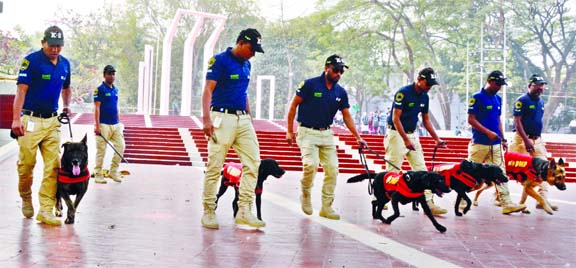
(318, 94)
(532, 107)
(489, 107)
(46, 77)
(234, 76)
(24, 65)
(411, 104)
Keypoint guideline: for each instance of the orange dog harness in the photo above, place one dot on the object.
(68, 177)
(394, 182)
(519, 167)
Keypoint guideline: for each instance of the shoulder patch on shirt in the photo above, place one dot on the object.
(518, 105)
(471, 102)
(211, 62)
(95, 92)
(24, 65)
(399, 97)
(300, 86)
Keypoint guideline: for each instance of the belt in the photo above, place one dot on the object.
(407, 132)
(316, 128)
(41, 115)
(533, 137)
(227, 111)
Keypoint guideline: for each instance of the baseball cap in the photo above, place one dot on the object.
(537, 80)
(430, 76)
(253, 37)
(497, 76)
(335, 60)
(54, 36)
(109, 69)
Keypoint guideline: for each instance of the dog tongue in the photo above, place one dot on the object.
(76, 170)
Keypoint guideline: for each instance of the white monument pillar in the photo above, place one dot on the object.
(259, 80)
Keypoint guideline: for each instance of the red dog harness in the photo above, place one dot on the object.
(519, 167)
(394, 182)
(233, 172)
(453, 171)
(68, 177)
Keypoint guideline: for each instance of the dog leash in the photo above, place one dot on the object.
(114, 148)
(63, 118)
(434, 154)
(365, 164)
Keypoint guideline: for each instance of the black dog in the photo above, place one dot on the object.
(268, 167)
(403, 188)
(468, 176)
(73, 177)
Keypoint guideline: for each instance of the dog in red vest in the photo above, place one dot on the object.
(73, 177)
(530, 172)
(403, 187)
(232, 172)
(468, 176)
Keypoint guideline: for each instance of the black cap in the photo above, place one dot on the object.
(253, 37)
(336, 61)
(109, 69)
(497, 76)
(537, 80)
(54, 36)
(428, 74)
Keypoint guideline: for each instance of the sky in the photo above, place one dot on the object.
(39, 17)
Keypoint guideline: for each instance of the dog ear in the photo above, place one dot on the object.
(561, 162)
(85, 138)
(552, 164)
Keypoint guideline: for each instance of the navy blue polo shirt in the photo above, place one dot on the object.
(411, 103)
(45, 81)
(108, 98)
(532, 111)
(487, 109)
(232, 76)
(320, 104)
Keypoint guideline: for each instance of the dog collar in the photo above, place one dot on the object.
(68, 177)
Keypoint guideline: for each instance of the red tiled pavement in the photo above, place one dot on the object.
(152, 219)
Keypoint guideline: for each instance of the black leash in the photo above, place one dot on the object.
(63, 118)
(114, 148)
(434, 154)
(365, 163)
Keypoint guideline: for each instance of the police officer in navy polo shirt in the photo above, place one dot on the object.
(528, 113)
(318, 99)
(484, 110)
(44, 76)
(107, 125)
(227, 123)
(402, 139)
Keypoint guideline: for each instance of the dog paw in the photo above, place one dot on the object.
(441, 228)
(69, 221)
(58, 213)
(458, 214)
(466, 210)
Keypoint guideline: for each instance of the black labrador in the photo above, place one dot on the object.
(73, 177)
(403, 187)
(268, 167)
(468, 176)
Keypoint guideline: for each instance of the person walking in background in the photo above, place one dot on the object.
(318, 99)
(528, 113)
(107, 125)
(227, 123)
(484, 110)
(44, 77)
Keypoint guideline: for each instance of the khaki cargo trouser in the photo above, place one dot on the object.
(46, 137)
(114, 134)
(235, 131)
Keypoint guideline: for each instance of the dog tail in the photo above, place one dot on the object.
(361, 177)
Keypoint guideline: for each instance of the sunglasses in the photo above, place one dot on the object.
(338, 70)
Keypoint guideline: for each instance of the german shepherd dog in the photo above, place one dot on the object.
(468, 176)
(73, 177)
(403, 187)
(232, 173)
(531, 172)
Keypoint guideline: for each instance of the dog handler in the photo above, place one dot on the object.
(528, 113)
(484, 110)
(44, 76)
(227, 122)
(401, 139)
(318, 99)
(107, 125)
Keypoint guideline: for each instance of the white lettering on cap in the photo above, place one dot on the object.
(57, 35)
